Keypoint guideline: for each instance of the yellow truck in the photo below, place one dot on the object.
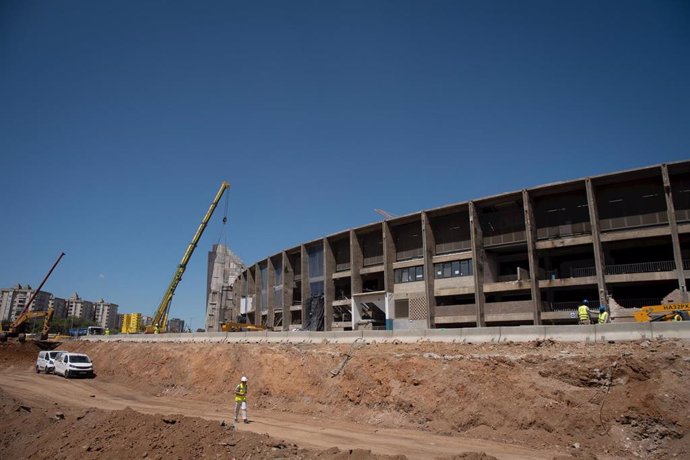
(663, 312)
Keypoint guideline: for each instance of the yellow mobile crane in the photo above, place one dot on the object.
(16, 325)
(160, 318)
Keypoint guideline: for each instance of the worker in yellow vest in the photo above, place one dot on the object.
(603, 315)
(241, 400)
(583, 312)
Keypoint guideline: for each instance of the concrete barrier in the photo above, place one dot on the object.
(377, 336)
(671, 330)
(574, 333)
(444, 335)
(522, 333)
(406, 335)
(622, 332)
(274, 337)
(481, 334)
(344, 336)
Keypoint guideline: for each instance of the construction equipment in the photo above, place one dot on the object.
(160, 317)
(16, 326)
(240, 327)
(662, 312)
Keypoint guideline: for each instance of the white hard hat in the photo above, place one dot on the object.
(243, 379)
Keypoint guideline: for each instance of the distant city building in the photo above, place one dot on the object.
(79, 308)
(131, 323)
(176, 325)
(223, 269)
(59, 307)
(146, 320)
(14, 299)
(105, 314)
(120, 321)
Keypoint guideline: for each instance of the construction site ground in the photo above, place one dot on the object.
(338, 401)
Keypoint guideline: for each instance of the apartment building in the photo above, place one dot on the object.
(59, 307)
(80, 308)
(526, 257)
(223, 269)
(176, 325)
(105, 314)
(14, 299)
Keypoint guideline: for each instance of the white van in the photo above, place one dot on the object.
(73, 365)
(46, 361)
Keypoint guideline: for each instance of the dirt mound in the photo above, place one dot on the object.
(62, 433)
(618, 399)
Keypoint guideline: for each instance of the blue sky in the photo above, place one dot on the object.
(119, 120)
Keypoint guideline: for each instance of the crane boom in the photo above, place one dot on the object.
(160, 318)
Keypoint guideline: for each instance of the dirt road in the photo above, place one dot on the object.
(305, 431)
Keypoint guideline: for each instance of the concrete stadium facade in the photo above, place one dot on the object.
(521, 258)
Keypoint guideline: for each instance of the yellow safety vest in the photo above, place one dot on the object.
(583, 312)
(241, 392)
(603, 317)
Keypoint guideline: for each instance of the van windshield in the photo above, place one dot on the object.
(79, 359)
(53, 354)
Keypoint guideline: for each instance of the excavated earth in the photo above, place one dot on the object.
(562, 400)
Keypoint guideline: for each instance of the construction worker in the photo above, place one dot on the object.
(583, 312)
(107, 331)
(603, 315)
(241, 400)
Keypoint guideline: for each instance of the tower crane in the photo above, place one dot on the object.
(160, 317)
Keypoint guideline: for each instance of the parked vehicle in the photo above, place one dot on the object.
(46, 361)
(70, 364)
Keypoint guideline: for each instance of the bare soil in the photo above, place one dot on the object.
(425, 400)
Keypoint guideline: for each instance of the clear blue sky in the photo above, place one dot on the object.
(119, 120)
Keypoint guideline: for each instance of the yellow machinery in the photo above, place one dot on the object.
(662, 312)
(16, 325)
(237, 327)
(160, 318)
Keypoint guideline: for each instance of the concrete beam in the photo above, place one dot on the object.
(531, 237)
(478, 261)
(258, 307)
(388, 257)
(596, 241)
(671, 211)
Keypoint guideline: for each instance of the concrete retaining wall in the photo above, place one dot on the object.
(588, 334)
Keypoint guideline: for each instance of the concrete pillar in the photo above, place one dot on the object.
(531, 234)
(596, 240)
(429, 249)
(257, 295)
(288, 287)
(356, 263)
(306, 290)
(270, 293)
(478, 261)
(671, 211)
(388, 257)
(328, 286)
(237, 289)
(251, 291)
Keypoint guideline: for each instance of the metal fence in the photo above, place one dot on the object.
(641, 267)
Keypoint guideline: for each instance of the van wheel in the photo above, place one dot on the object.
(66, 374)
(38, 371)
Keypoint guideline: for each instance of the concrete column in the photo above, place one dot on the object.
(270, 293)
(596, 240)
(478, 261)
(356, 263)
(306, 290)
(288, 287)
(328, 286)
(388, 257)
(531, 234)
(251, 292)
(429, 249)
(237, 292)
(671, 211)
(257, 295)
